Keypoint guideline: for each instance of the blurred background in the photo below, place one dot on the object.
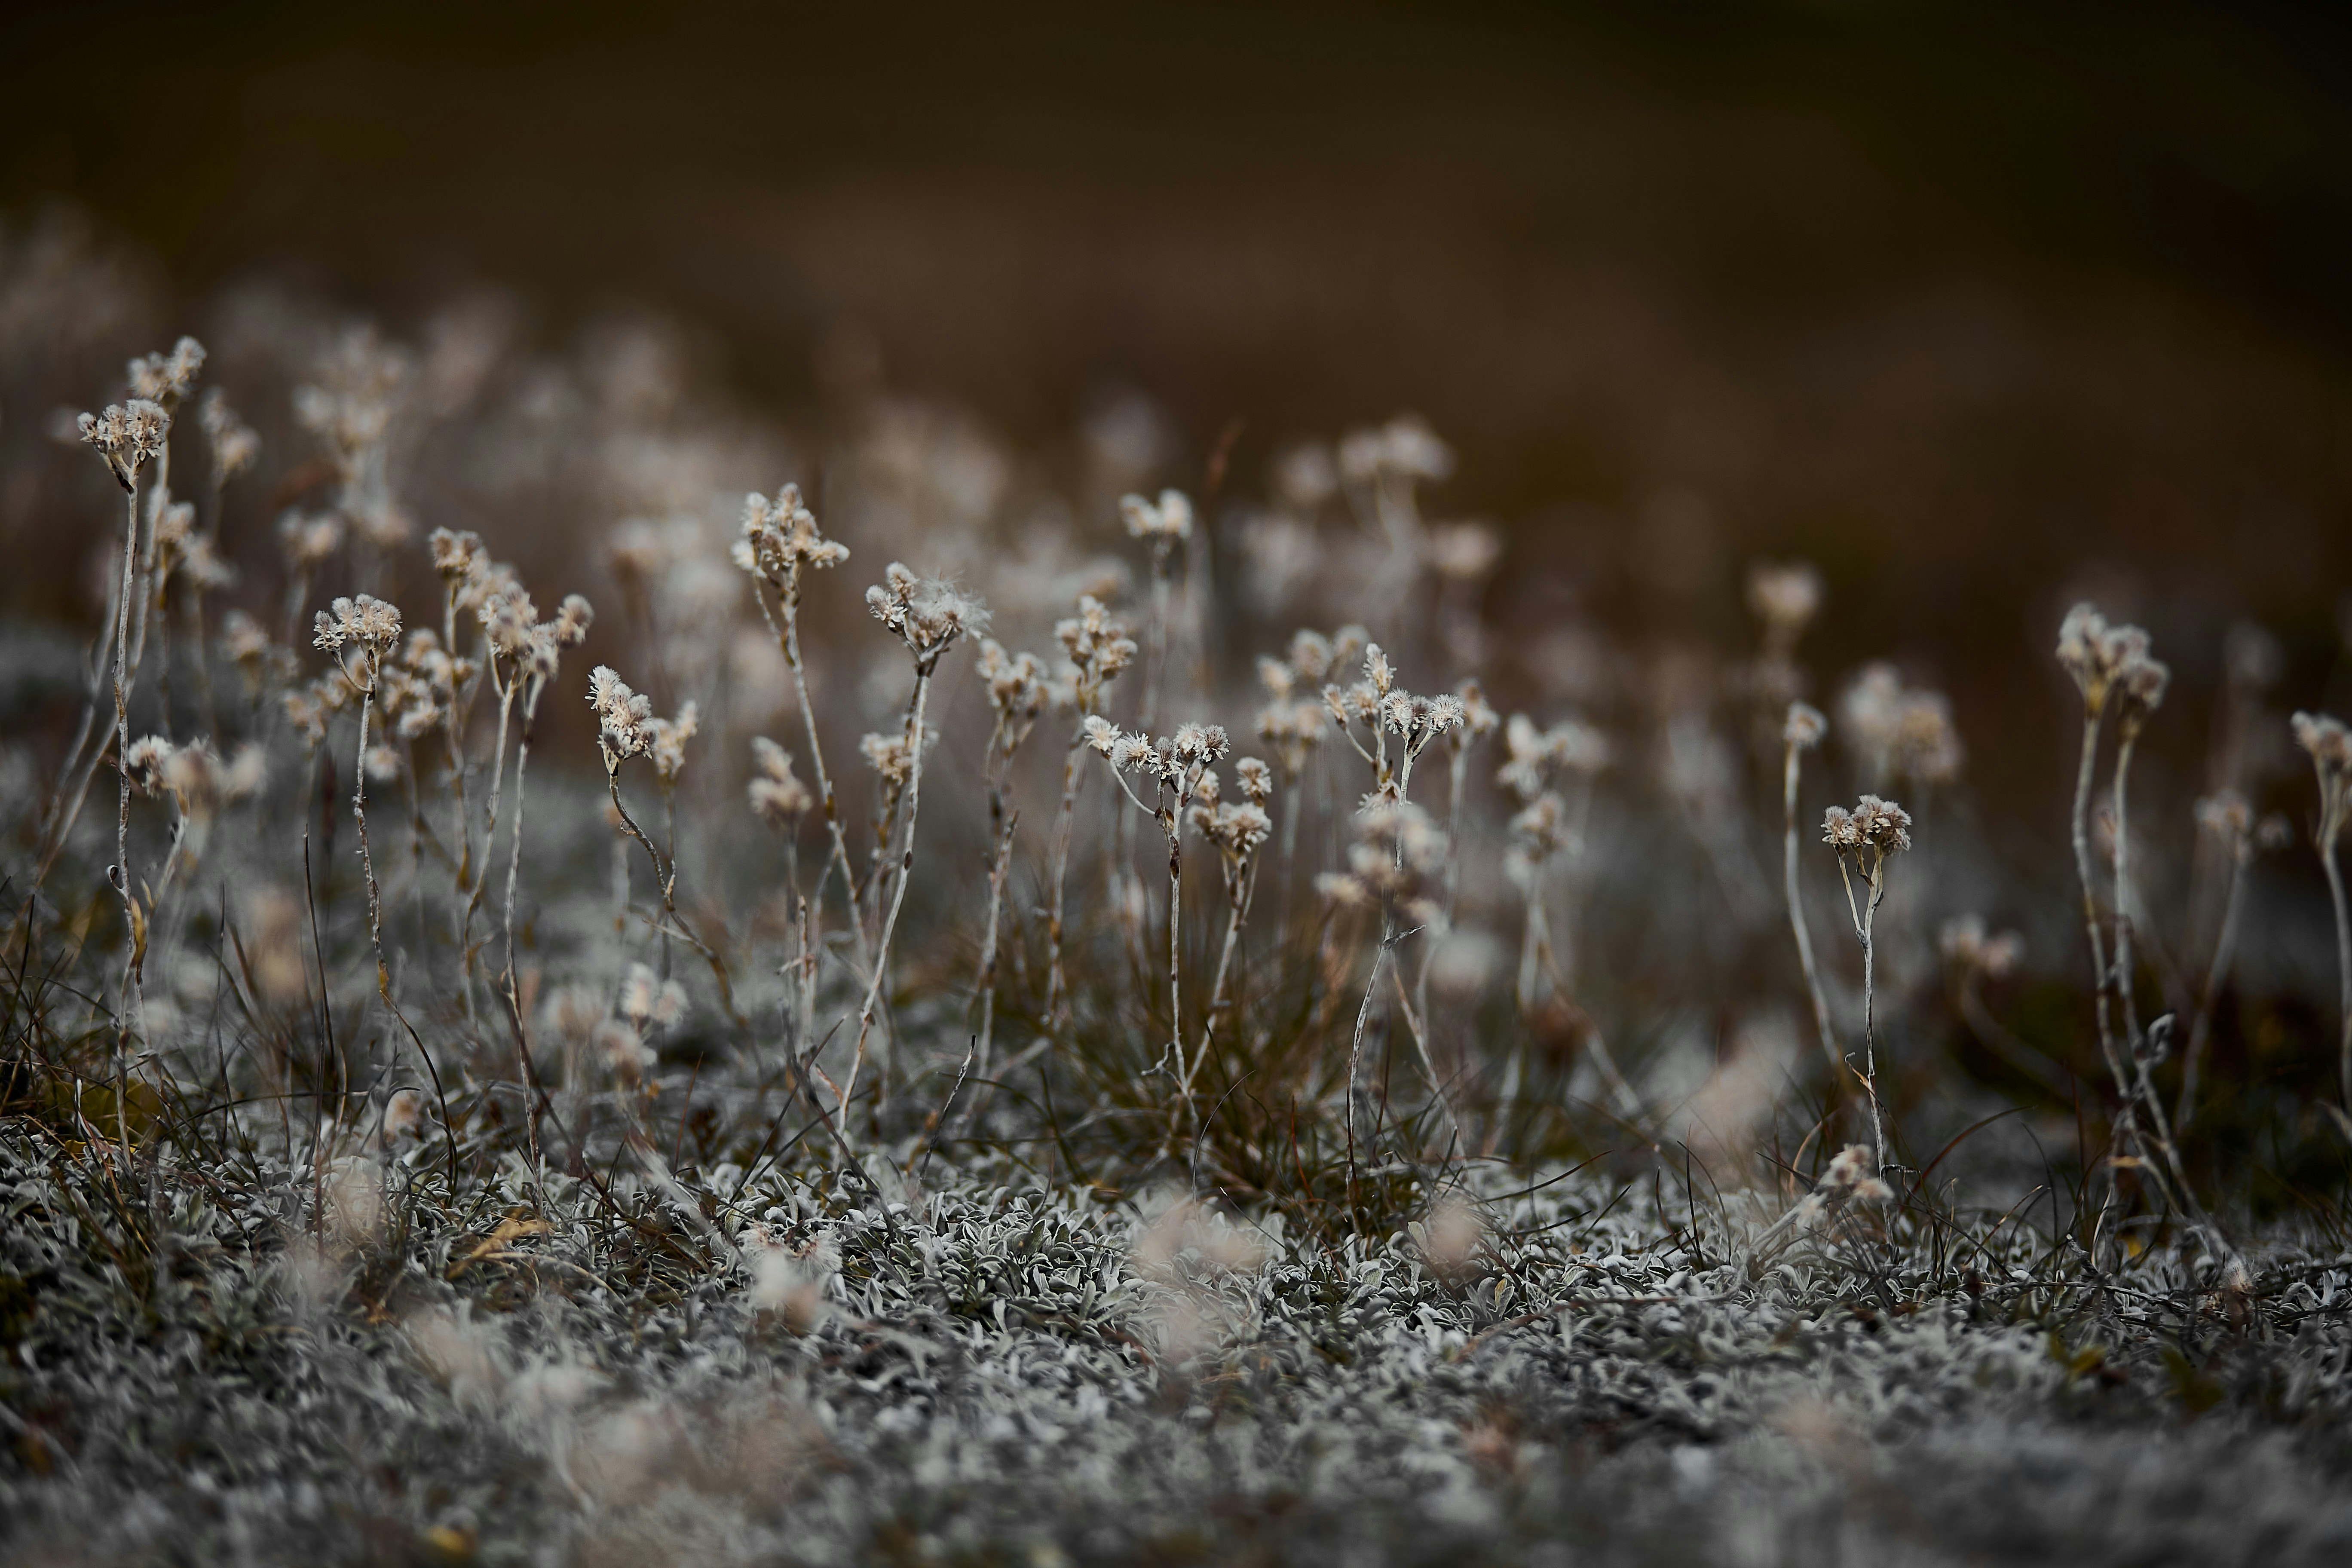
(1981, 310)
(1974, 306)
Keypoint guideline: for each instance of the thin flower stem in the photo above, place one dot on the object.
(1356, 1051)
(2200, 1031)
(1064, 817)
(1791, 772)
(898, 898)
(133, 1011)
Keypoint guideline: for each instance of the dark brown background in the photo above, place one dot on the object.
(1978, 306)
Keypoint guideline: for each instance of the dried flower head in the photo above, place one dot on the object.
(2330, 746)
(1015, 683)
(310, 540)
(1785, 596)
(457, 557)
(1878, 827)
(1851, 1178)
(1163, 523)
(354, 396)
(1464, 552)
(929, 615)
(166, 378)
(1534, 758)
(649, 1001)
(1305, 477)
(2099, 657)
(777, 795)
(781, 537)
(666, 745)
(1898, 731)
(364, 624)
(235, 446)
(126, 436)
(1804, 727)
(1403, 448)
(144, 760)
(1967, 946)
(1397, 861)
(624, 719)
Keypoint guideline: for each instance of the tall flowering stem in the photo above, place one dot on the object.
(1866, 839)
(627, 728)
(2111, 666)
(127, 438)
(1162, 525)
(1016, 696)
(1803, 730)
(930, 618)
(1094, 649)
(1237, 830)
(1177, 764)
(781, 542)
(1394, 866)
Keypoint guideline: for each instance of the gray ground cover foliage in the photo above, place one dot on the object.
(994, 1373)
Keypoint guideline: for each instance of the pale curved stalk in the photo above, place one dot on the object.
(133, 1012)
(1004, 823)
(1064, 822)
(491, 824)
(787, 637)
(1789, 772)
(897, 900)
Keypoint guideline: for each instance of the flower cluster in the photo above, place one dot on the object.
(1534, 758)
(517, 639)
(1875, 826)
(1539, 832)
(1386, 708)
(2330, 745)
(1899, 731)
(1016, 688)
(1163, 523)
(180, 549)
(892, 758)
(1464, 552)
(1804, 727)
(1785, 597)
(126, 436)
(2104, 659)
(166, 378)
(357, 390)
(927, 615)
(1294, 725)
(1396, 863)
(649, 1001)
(1236, 827)
(1177, 760)
(366, 625)
(667, 744)
(780, 538)
(624, 718)
(1851, 1179)
(1097, 647)
(258, 659)
(1405, 448)
(1967, 948)
(194, 775)
(235, 446)
(777, 795)
(309, 541)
